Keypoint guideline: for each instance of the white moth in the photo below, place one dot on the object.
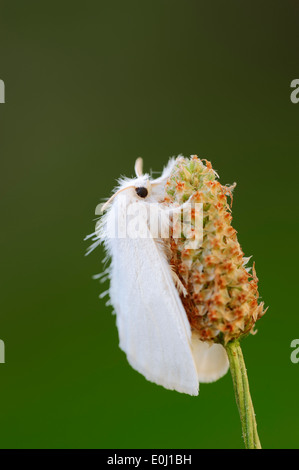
(154, 331)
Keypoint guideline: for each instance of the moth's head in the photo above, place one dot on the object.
(142, 184)
(140, 188)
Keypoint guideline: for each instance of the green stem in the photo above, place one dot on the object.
(242, 394)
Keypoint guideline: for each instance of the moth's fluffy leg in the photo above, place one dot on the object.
(211, 359)
(178, 283)
(160, 223)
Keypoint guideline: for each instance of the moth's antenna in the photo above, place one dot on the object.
(165, 174)
(158, 181)
(138, 167)
(104, 206)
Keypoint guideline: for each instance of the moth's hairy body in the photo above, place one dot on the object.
(153, 327)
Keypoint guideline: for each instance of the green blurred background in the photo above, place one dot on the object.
(89, 87)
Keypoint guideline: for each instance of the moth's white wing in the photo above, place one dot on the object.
(152, 324)
(154, 331)
(211, 360)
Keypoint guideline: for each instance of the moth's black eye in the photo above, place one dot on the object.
(142, 192)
